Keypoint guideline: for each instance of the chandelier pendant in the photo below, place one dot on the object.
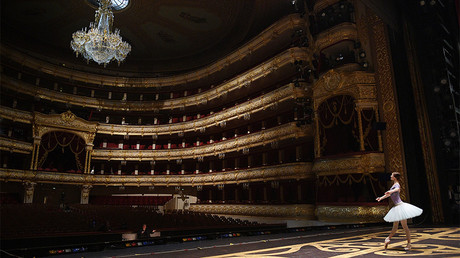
(99, 43)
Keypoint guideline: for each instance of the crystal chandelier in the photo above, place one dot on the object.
(99, 43)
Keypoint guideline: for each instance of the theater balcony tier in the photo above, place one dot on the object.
(12, 145)
(272, 99)
(341, 32)
(297, 171)
(261, 138)
(349, 164)
(349, 213)
(305, 211)
(281, 64)
(271, 39)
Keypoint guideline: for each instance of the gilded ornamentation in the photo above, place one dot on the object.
(343, 31)
(299, 170)
(65, 122)
(352, 214)
(386, 92)
(306, 211)
(285, 131)
(282, 28)
(360, 85)
(12, 145)
(363, 163)
(16, 115)
(260, 71)
(437, 242)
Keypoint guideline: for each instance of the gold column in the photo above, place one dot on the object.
(360, 126)
(386, 93)
(37, 142)
(379, 133)
(237, 197)
(29, 189)
(89, 152)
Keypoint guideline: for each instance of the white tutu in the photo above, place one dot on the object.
(402, 211)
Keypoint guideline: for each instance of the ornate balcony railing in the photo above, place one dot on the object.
(12, 145)
(244, 79)
(299, 170)
(261, 138)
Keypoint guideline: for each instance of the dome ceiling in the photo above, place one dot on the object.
(167, 36)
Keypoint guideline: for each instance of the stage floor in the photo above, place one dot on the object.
(351, 242)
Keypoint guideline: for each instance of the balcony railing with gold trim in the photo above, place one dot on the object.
(16, 115)
(299, 170)
(17, 146)
(284, 27)
(264, 137)
(350, 164)
(260, 71)
(305, 211)
(250, 107)
(343, 31)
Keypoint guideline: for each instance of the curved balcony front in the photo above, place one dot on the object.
(11, 145)
(261, 138)
(298, 170)
(278, 63)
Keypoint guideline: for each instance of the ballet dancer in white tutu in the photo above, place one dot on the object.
(400, 212)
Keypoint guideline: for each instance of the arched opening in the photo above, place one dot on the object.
(63, 152)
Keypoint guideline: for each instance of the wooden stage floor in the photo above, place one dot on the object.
(350, 242)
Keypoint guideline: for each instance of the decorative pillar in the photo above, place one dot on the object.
(89, 152)
(317, 136)
(360, 127)
(379, 133)
(29, 188)
(84, 197)
(35, 152)
(264, 158)
(250, 194)
(237, 163)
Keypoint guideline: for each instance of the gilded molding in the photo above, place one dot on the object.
(255, 105)
(260, 71)
(283, 27)
(340, 32)
(387, 97)
(356, 214)
(358, 84)
(67, 122)
(305, 211)
(264, 137)
(16, 115)
(362, 163)
(7, 144)
(298, 170)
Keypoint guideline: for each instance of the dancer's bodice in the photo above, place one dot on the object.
(395, 196)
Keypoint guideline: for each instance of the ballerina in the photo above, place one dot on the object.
(400, 212)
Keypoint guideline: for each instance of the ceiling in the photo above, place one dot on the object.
(167, 36)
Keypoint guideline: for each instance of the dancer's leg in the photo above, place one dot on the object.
(406, 229)
(393, 231)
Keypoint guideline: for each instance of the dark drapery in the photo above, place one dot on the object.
(62, 151)
(338, 126)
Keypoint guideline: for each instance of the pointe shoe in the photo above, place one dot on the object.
(408, 247)
(387, 241)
